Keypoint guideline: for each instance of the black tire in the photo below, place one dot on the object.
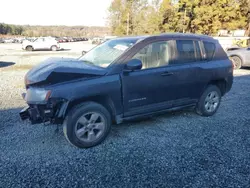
(29, 48)
(202, 107)
(71, 123)
(237, 62)
(53, 48)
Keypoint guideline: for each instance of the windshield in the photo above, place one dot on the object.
(104, 54)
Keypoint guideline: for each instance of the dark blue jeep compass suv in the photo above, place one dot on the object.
(127, 78)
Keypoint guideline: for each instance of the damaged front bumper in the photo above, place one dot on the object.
(37, 114)
(53, 111)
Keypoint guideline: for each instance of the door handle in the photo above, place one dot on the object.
(167, 74)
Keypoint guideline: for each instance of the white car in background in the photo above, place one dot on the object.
(8, 40)
(41, 43)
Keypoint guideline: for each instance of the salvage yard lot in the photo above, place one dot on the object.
(179, 149)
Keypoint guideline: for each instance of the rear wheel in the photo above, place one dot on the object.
(87, 125)
(237, 62)
(29, 48)
(209, 102)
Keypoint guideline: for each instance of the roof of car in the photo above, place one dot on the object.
(170, 35)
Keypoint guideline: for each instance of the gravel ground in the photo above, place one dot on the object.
(180, 149)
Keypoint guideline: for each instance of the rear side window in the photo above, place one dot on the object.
(186, 51)
(209, 49)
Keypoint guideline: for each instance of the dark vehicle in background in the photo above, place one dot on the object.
(16, 41)
(240, 57)
(84, 39)
(127, 78)
(70, 39)
(97, 40)
(60, 40)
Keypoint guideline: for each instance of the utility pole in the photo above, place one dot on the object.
(128, 24)
(184, 21)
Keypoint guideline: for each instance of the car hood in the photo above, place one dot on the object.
(55, 70)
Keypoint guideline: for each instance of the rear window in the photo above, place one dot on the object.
(209, 49)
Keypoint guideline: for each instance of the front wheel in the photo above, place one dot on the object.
(29, 48)
(53, 48)
(87, 125)
(209, 102)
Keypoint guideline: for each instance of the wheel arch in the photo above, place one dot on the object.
(221, 84)
(103, 100)
(29, 46)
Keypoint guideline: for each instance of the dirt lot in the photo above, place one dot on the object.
(180, 149)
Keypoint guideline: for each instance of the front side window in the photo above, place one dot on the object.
(39, 40)
(209, 49)
(154, 55)
(186, 51)
(104, 54)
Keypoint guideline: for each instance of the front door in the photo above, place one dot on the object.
(151, 88)
(39, 44)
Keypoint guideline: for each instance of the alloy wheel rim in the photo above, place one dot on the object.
(212, 101)
(236, 62)
(90, 126)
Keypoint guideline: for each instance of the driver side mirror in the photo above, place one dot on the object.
(84, 52)
(133, 64)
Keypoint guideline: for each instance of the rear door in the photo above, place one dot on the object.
(187, 72)
(202, 68)
(48, 43)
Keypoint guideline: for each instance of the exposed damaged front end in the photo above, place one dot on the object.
(51, 112)
(46, 97)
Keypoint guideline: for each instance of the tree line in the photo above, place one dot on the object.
(60, 31)
(136, 17)
(7, 29)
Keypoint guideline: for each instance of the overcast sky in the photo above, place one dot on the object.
(54, 12)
